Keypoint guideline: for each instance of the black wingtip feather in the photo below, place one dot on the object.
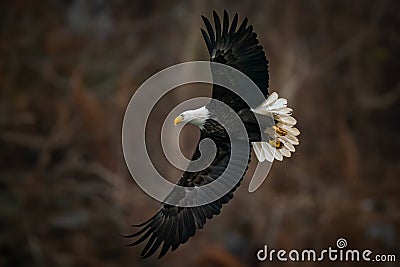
(225, 27)
(207, 40)
(243, 25)
(164, 249)
(140, 240)
(148, 245)
(210, 30)
(137, 233)
(217, 23)
(153, 249)
(147, 221)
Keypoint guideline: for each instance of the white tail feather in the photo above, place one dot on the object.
(283, 135)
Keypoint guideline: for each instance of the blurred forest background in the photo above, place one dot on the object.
(69, 68)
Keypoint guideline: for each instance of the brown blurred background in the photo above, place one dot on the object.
(69, 68)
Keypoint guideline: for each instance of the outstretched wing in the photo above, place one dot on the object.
(172, 226)
(238, 48)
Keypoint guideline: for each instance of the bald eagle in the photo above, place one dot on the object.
(238, 47)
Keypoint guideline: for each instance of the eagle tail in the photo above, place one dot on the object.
(282, 136)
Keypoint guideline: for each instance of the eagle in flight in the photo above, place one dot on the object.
(238, 47)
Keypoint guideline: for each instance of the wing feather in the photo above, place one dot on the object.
(233, 25)
(239, 49)
(172, 226)
(217, 26)
(209, 30)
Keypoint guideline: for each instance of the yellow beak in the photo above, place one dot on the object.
(178, 119)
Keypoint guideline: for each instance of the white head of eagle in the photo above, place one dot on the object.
(197, 117)
(237, 46)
